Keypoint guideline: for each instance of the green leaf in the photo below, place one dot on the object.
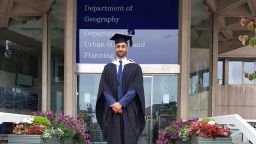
(252, 42)
(207, 119)
(250, 77)
(254, 75)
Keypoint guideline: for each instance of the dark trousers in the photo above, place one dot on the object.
(120, 132)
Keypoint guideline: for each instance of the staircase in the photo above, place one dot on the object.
(243, 131)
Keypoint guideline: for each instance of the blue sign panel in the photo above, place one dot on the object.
(154, 25)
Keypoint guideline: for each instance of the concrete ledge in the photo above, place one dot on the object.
(217, 140)
(3, 138)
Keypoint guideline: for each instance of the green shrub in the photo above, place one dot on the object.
(42, 120)
(207, 119)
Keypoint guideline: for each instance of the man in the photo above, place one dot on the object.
(120, 106)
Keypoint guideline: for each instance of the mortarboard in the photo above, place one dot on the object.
(119, 38)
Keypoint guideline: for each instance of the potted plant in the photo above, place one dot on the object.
(207, 131)
(50, 128)
(29, 130)
(194, 131)
(65, 129)
(176, 132)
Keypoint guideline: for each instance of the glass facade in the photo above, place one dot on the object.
(21, 63)
(20, 66)
(160, 100)
(200, 59)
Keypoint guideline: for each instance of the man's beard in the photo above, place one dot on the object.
(121, 53)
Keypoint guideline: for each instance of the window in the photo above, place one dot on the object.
(249, 68)
(235, 72)
(8, 48)
(199, 82)
(220, 72)
(205, 80)
(194, 84)
(21, 67)
(200, 59)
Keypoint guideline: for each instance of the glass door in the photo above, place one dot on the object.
(160, 101)
(146, 135)
(87, 95)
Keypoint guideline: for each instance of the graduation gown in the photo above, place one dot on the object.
(122, 128)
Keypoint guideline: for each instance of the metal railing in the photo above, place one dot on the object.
(240, 123)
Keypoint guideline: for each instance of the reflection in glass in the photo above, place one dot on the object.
(249, 67)
(146, 134)
(160, 101)
(194, 84)
(20, 85)
(164, 102)
(56, 66)
(235, 72)
(205, 80)
(30, 26)
(200, 55)
(87, 95)
(20, 66)
(220, 72)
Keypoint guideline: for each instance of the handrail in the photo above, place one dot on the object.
(240, 123)
(250, 120)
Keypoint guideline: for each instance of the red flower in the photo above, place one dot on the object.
(203, 129)
(29, 129)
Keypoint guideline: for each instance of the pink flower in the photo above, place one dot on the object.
(19, 126)
(78, 126)
(242, 21)
(41, 126)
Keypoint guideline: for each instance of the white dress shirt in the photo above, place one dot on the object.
(124, 62)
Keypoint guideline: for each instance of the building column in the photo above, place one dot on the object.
(184, 58)
(44, 63)
(214, 65)
(69, 59)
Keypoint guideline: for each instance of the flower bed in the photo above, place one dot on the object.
(208, 128)
(183, 131)
(51, 126)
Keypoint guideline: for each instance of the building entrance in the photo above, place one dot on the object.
(160, 101)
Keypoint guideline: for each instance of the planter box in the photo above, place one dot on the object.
(34, 139)
(55, 140)
(26, 139)
(217, 140)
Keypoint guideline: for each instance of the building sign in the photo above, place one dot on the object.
(153, 24)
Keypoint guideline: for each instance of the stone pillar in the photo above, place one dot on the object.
(214, 65)
(69, 59)
(44, 63)
(184, 57)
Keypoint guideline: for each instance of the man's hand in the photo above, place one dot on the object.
(117, 107)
